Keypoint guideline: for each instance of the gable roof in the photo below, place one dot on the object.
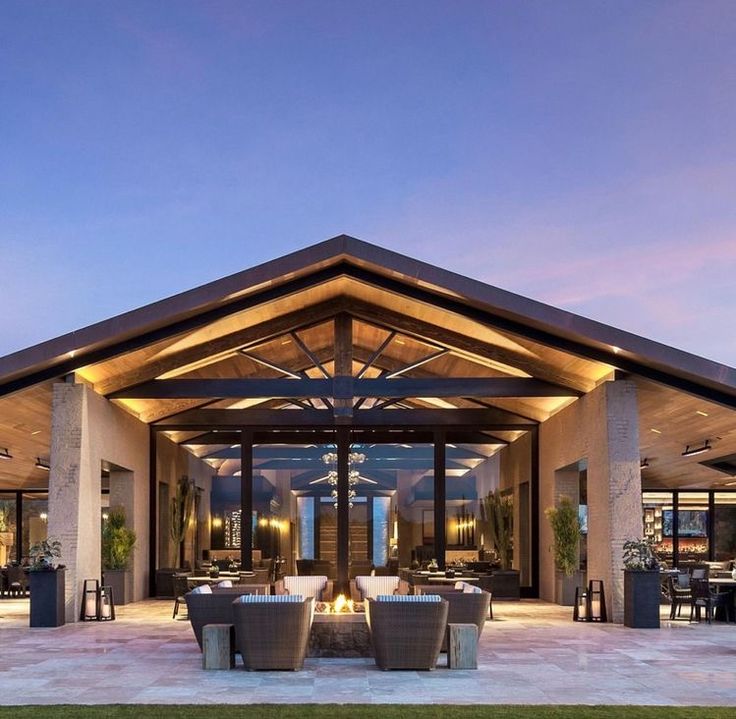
(392, 272)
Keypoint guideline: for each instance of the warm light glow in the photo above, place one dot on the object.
(701, 413)
(216, 522)
(342, 605)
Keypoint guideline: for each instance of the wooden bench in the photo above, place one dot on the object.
(462, 647)
(218, 646)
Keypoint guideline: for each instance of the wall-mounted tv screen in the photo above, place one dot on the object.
(691, 523)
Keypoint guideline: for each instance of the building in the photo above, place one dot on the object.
(359, 406)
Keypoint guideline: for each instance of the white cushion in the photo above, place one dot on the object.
(468, 588)
(371, 587)
(224, 584)
(306, 586)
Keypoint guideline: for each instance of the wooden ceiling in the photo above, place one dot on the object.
(393, 332)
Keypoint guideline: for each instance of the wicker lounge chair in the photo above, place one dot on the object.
(207, 606)
(407, 631)
(272, 632)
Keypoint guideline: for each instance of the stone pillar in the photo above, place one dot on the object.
(603, 428)
(614, 490)
(74, 492)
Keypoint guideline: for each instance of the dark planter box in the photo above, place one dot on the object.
(47, 598)
(503, 584)
(120, 580)
(641, 599)
(565, 587)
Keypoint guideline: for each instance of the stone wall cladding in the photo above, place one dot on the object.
(602, 427)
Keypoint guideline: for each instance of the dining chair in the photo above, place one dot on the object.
(181, 587)
(702, 596)
(679, 591)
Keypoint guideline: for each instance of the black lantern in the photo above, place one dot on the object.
(596, 601)
(90, 600)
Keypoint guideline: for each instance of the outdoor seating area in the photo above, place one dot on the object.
(157, 660)
(703, 590)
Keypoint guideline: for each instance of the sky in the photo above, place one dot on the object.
(579, 153)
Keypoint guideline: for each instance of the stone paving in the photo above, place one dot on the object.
(531, 653)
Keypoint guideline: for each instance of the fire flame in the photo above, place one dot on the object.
(342, 604)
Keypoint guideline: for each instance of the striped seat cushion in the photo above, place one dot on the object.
(270, 598)
(416, 598)
(306, 586)
(371, 587)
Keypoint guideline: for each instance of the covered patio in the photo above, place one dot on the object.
(531, 653)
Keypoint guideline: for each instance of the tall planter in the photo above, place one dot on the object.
(121, 581)
(47, 598)
(641, 598)
(565, 587)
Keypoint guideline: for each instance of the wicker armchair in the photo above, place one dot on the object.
(272, 632)
(407, 631)
(467, 605)
(206, 606)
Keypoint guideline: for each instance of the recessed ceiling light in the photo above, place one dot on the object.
(644, 464)
(37, 431)
(5, 454)
(656, 431)
(701, 413)
(400, 342)
(616, 350)
(43, 464)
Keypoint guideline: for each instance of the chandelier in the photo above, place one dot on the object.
(354, 458)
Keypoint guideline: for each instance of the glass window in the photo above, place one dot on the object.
(35, 520)
(724, 526)
(8, 551)
(692, 527)
(658, 524)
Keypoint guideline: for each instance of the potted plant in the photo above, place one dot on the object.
(641, 585)
(497, 518)
(47, 584)
(118, 543)
(566, 530)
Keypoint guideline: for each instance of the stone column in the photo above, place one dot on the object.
(614, 489)
(602, 427)
(74, 492)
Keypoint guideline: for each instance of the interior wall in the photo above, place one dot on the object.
(515, 466)
(173, 462)
(602, 426)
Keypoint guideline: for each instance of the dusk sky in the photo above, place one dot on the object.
(580, 153)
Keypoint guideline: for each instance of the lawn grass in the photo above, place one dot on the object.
(361, 711)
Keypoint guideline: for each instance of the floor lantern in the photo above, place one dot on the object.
(90, 600)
